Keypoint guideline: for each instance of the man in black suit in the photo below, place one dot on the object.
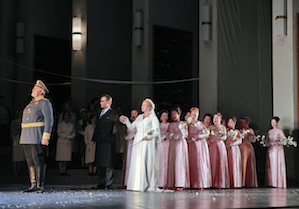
(105, 143)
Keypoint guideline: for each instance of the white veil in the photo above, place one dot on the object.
(158, 139)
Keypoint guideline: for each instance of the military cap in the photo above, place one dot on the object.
(40, 84)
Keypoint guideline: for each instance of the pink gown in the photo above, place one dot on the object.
(178, 167)
(163, 164)
(275, 163)
(234, 163)
(199, 158)
(130, 137)
(219, 164)
(249, 176)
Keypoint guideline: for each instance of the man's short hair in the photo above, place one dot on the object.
(107, 96)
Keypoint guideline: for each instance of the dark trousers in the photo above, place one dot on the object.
(35, 154)
(105, 176)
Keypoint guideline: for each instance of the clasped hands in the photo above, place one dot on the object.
(122, 118)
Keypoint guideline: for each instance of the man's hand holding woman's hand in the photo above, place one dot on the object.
(122, 118)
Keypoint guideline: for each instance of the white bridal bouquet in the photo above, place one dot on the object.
(261, 139)
(289, 141)
(213, 132)
(232, 133)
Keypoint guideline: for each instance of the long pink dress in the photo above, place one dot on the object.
(178, 167)
(199, 157)
(275, 163)
(218, 156)
(163, 164)
(234, 162)
(249, 176)
(130, 139)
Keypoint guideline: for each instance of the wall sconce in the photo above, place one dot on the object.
(20, 43)
(206, 23)
(281, 17)
(76, 33)
(138, 29)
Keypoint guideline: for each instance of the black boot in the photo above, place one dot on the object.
(40, 178)
(32, 188)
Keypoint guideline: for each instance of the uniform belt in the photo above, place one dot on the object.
(30, 125)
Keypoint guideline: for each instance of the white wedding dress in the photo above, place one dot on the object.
(143, 169)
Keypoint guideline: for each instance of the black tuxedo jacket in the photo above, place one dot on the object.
(104, 139)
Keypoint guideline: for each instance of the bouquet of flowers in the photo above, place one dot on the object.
(244, 132)
(212, 132)
(261, 139)
(188, 121)
(232, 133)
(289, 141)
(151, 132)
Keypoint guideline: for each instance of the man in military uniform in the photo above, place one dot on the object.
(36, 126)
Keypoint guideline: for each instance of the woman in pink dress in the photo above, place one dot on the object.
(218, 154)
(233, 153)
(130, 138)
(178, 167)
(207, 120)
(163, 165)
(275, 164)
(249, 176)
(199, 156)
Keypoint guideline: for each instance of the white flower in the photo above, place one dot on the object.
(151, 132)
(189, 120)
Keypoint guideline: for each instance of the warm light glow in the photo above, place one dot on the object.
(76, 33)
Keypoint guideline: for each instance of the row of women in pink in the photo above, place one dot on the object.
(195, 157)
(275, 162)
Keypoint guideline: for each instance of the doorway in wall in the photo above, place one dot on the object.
(172, 61)
(53, 55)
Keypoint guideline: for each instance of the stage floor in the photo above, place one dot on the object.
(76, 197)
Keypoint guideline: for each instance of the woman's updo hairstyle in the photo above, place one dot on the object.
(276, 118)
(177, 109)
(233, 118)
(219, 115)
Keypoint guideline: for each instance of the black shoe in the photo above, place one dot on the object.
(90, 174)
(30, 189)
(108, 187)
(100, 187)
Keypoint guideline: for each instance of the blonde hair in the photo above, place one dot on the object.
(219, 115)
(195, 109)
(150, 103)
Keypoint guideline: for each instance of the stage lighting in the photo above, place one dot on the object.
(76, 33)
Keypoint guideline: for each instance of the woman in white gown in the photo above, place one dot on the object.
(144, 159)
